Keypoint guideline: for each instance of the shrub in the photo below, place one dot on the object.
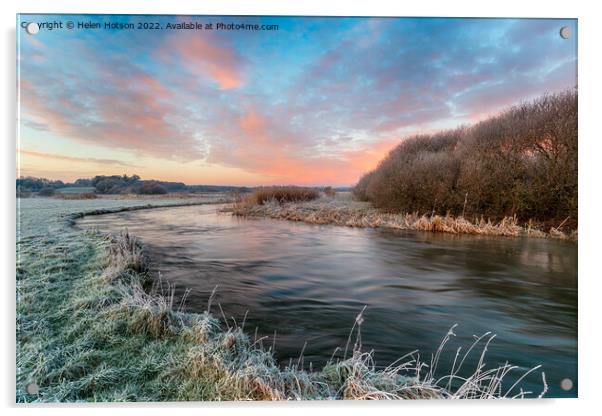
(151, 188)
(114, 184)
(521, 162)
(22, 193)
(330, 191)
(36, 184)
(46, 192)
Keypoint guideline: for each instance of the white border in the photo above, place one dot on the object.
(589, 185)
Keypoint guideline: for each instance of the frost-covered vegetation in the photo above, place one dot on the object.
(93, 324)
(343, 210)
(279, 195)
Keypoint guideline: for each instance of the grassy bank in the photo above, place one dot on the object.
(342, 210)
(94, 325)
(72, 217)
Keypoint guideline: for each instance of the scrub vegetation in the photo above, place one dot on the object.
(521, 163)
(94, 323)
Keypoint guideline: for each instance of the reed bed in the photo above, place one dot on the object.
(278, 194)
(346, 212)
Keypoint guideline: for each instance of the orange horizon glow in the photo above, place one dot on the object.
(285, 171)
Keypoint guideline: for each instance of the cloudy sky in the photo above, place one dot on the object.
(317, 102)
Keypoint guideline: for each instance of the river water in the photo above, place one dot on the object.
(307, 283)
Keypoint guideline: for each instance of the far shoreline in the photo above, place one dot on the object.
(339, 209)
(345, 211)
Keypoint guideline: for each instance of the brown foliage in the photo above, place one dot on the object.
(281, 194)
(151, 188)
(330, 191)
(520, 163)
(46, 191)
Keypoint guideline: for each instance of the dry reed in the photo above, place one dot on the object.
(361, 214)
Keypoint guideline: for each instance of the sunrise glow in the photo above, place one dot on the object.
(317, 102)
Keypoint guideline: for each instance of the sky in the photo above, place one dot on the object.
(320, 101)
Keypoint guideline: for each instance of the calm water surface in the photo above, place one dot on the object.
(307, 283)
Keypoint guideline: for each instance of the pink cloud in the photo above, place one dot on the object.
(264, 145)
(207, 56)
(50, 156)
(135, 119)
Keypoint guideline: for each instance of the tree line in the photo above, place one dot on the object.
(521, 162)
(118, 184)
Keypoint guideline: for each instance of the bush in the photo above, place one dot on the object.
(114, 184)
(151, 188)
(46, 192)
(522, 162)
(36, 184)
(22, 193)
(330, 191)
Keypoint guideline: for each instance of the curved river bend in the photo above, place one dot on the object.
(307, 283)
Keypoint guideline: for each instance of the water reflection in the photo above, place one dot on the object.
(307, 283)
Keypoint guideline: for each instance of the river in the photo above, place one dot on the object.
(307, 283)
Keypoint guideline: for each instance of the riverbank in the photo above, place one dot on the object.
(345, 211)
(93, 324)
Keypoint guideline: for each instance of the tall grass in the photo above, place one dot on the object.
(93, 324)
(339, 211)
(279, 194)
(522, 162)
